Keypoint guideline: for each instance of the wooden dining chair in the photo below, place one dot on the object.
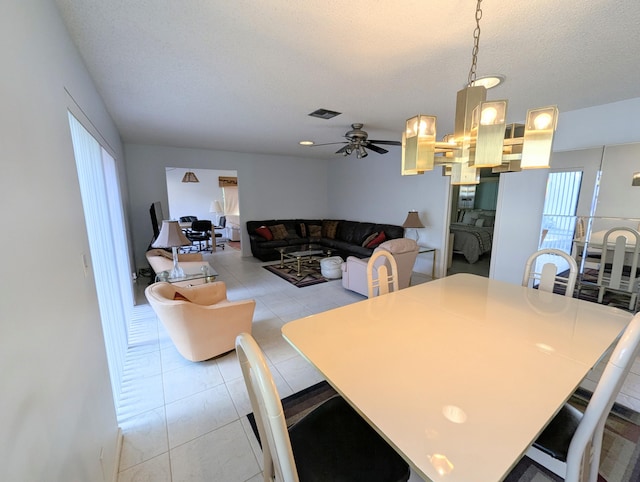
(331, 442)
(382, 274)
(570, 446)
(547, 277)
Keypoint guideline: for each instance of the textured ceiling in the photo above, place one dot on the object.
(243, 75)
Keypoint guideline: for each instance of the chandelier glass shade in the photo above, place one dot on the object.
(481, 137)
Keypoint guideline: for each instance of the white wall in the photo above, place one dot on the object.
(372, 189)
(268, 186)
(56, 407)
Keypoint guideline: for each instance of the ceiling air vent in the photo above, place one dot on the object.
(324, 113)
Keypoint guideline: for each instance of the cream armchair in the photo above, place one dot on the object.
(404, 251)
(200, 320)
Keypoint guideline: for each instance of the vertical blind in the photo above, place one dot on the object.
(102, 226)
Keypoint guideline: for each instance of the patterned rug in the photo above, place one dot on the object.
(620, 453)
(310, 274)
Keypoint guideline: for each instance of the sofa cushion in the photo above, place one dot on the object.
(303, 230)
(380, 238)
(279, 231)
(329, 229)
(265, 232)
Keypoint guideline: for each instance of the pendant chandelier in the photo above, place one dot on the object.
(481, 137)
(190, 176)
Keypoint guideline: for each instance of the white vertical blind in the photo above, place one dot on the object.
(95, 201)
(558, 216)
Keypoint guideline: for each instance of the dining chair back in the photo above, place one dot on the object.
(618, 269)
(382, 273)
(546, 278)
(331, 442)
(570, 445)
(200, 233)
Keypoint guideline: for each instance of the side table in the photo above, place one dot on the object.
(426, 249)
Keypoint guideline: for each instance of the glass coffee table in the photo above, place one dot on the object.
(301, 256)
(206, 274)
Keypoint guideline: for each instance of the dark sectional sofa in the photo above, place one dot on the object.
(345, 238)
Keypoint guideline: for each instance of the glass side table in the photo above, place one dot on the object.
(426, 249)
(206, 274)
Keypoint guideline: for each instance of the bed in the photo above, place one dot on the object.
(473, 234)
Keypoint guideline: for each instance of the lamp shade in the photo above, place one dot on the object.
(170, 236)
(190, 176)
(413, 220)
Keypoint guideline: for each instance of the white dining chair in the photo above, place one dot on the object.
(619, 264)
(331, 442)
(382, 274)
(570, 446)
(547, 277)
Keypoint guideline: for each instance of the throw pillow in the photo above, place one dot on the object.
(368, 239)
(303, 230)
(180, 297)
(278, 231)
(315, 231)
(264, 232)
(380, 238)
(329, 229)
(479, 222)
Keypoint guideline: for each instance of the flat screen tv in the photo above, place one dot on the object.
(155, 211)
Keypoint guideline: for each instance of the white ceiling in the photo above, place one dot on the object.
(243, 75)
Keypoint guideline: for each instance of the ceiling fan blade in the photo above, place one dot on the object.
(377, 149)
(387, 143)
(343, 149)
(328, 144)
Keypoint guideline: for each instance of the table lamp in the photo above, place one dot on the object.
(171, 236)
(413, 221)
(216, 208)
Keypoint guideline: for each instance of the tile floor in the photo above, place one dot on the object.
(185, 421)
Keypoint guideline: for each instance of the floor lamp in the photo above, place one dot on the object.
(413, 221)
(171, 236)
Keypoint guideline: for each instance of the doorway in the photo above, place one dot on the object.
(471, 222)
(214, 197)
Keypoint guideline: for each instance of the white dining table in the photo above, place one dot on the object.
(461, 374)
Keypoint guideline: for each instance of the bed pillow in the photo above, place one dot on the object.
(470, 217)
(479, 222)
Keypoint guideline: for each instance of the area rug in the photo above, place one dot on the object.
(621, 451)
(310, 275)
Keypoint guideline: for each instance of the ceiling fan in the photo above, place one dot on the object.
(357, 141)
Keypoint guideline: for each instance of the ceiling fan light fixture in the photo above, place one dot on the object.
(306, 143)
